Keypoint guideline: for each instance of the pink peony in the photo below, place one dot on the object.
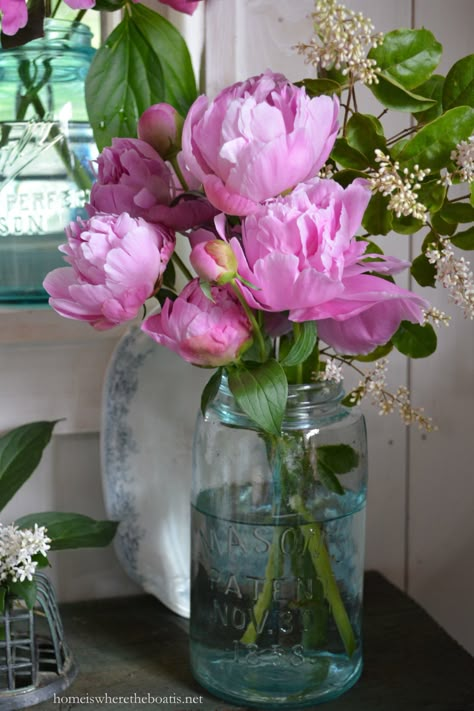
(300, 251)
(161, 126)
(203, 332)
(214, 261)
(257, 139)
(117, 263)
(133, 178)
(15, 13)
(187, 6)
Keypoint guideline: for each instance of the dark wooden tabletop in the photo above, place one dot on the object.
(134, 645)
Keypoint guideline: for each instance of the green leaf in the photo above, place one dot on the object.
(303, 345)
(71, 530)
(144, 61)
(346, 177)
(441, 226)
(206, 290)
(464, 240)
(459, 85)
(210, 390)
(432, 194)
(455, 212)
(408, 56)
(3, 593)
(379, 352)
(423, 271)
(349, 400)
(20, 454)
(25, 591)
(41, 560)
(378, 218)
(261, 391)
(365, 135)
(432, 89)
(431, 147)
(394, 96)
(335, 459)
(318, 87)
(348, 157)
(340, 458)
(406, 225)
(415, 341)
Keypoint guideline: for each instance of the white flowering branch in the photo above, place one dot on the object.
(17, 549)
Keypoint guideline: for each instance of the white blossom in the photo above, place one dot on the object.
(342, 39)
(17, 548)
(436, 317)
(463, 157)
(455, 274)
(332, 371)
(374, 386)
(403, 191)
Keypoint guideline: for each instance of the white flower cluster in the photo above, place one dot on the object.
(17, 547)
(436, 317)
(402, 190)
(342, 41)
(455, 275)
(463, 156)
(374, 385)
(332, 371)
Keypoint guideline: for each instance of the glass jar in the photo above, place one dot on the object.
(278, 551)
(46, 146)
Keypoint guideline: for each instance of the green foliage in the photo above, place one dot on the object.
(365, 134)
(261, 391)
(70, 530)
(303, 345)
(393, 95)
(319, 87)
(333, 460)
(423, 271)
(415, 341)
(144, 61)
(432, 89)
(25, 590)
(457, 212)
(20, 454)
(347, 156)
(378, 218)
(408, 56)
(465, 239)
(379, 352)
(431, 147)
(459, 85)
(210, 390)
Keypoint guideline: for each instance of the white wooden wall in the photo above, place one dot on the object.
(421, 503)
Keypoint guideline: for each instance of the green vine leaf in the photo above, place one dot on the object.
(432, 89)
(459, 85)
(319, 87)
(408, 56)
(261, 391)
(393, 95)
(303, 345)
(423, 271)
(464, 240)
(71, 530)
(210, 390)
(457, 212)
(144, 61)
(378, 218)
(365, 134)
(414, 340)
(431, 147)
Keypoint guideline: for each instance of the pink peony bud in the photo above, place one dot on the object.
(214, 261)
(161, 126)
(203, 332)
(116, 264)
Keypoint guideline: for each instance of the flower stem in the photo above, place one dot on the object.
(181, 266)
(255, 327)
(179, 173)
(299, 367)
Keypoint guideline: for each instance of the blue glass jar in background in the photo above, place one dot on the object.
(278, 551)
(46, 146)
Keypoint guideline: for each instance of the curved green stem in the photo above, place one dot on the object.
(179, 173)
(299, 367)
(255, 327)
(181, 266)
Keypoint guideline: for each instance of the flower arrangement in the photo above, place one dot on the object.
(25, 544)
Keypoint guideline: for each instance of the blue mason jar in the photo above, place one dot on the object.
(278, 551)
(46, 146)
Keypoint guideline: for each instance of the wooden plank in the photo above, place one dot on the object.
(441, 575)
(261, 34)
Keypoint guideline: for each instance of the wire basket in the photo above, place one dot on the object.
(35, 661)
